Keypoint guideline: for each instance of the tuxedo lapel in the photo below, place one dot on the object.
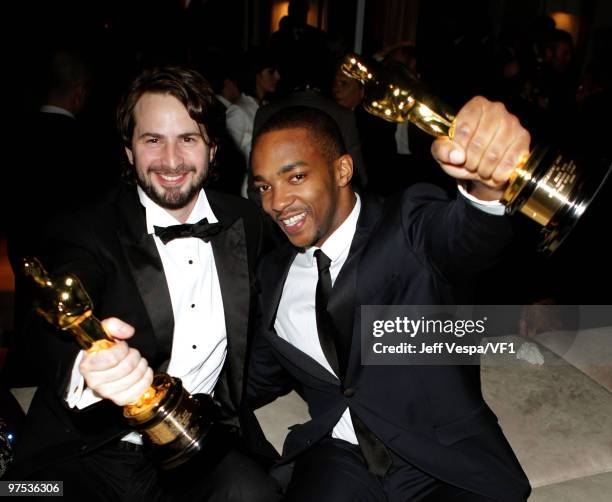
(276, 272)
(148, 272)
(299, 359)
(229, 250)
(341, 306)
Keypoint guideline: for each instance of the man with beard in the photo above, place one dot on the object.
(176, 262)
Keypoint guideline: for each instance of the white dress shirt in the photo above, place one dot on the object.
(494, 207)
(199, 342)
(239, 119)
(296, 320)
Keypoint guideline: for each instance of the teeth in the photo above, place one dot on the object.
(294, 219)
(171, 178)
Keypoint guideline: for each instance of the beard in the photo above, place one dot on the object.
(173, 197)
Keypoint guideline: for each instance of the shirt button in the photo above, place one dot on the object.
(194, 346)
(192, 305)
(190, 262)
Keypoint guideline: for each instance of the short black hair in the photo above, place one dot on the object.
(322, 128)
(66, 70)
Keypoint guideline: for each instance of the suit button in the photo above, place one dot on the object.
(308, 442)
(350, 392)
(84, 447)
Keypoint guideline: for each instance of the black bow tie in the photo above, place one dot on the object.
(202, 229)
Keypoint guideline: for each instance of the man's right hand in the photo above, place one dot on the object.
(488, 144)
(119, 373)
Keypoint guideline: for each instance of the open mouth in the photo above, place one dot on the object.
(167, 180)
(294, 223)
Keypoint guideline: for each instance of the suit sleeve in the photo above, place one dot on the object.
(68, 249)
(454, 237)
(267, 379)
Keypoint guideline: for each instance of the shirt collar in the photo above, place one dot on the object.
(158, 216)
(224, 101)
(246, 99)
(338, 242)
(57, 110)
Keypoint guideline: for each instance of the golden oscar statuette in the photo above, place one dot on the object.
(548, 186)
(174, 424)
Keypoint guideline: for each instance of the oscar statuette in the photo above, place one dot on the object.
(174, 425)
(549, 186)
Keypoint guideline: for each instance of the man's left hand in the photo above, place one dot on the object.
(488, 144)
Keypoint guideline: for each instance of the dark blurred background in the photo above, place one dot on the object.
(547, 60)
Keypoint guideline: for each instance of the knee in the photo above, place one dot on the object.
(245, 488)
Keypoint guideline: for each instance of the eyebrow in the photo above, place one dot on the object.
(284, 169)
(182, 135)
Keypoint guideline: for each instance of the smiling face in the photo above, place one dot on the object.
(303, 191)
(170, 153)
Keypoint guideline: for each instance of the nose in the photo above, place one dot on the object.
(171, 156)
(280, 200)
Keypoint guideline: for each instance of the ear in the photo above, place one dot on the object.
(344, 170)
(130, 155)
(212, 153)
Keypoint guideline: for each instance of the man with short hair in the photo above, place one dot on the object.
(54, 173)
(186, 294)
(379, 433)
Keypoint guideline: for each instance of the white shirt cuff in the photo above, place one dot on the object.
(77, 395)
(493, 207)
(80, 397)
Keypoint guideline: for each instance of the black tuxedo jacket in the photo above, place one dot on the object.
(106, 245)
(415, 249)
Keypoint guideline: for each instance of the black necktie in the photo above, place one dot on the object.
(202, 229)
(324, 325)
(374, 452)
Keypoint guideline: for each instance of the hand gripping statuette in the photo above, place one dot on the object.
(174, 425)
(548, 186)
